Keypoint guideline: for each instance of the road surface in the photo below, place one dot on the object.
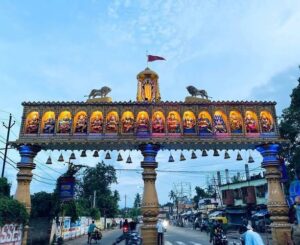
(173, 236)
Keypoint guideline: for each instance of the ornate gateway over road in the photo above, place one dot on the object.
(150, 124)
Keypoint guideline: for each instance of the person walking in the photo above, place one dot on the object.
(251, 237)
(160, 232)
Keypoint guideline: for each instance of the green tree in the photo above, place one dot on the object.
(42, 204)
(99, 179)
(11, 211)
(4, 188)
(290, 129)
(200, 194)
(95, 213)
(173, 197)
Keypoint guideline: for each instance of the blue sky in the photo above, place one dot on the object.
(60, 50)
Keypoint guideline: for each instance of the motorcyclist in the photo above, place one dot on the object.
(91, 229)
(217, 234)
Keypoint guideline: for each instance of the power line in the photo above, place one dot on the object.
(44, 164)
(34, 173)
(43, 182)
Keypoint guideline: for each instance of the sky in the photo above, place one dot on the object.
(60, 50)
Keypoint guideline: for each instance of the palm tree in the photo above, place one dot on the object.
(174, 198)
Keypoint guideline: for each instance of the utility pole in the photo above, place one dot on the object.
(125, 205)
(10, 125)
(94, 200)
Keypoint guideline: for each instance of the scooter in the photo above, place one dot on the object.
(134, 239)
(220, 239)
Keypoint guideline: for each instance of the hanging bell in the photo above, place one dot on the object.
(119, 159)
(107, 156)
(49, 161)
(61, 158)
(171, 158)
(226, 155)
(72, 157)
(128, 159)
(182, 158)
(83, 153)
(204, 153)
(239, 157)
(193, 156)
(216, 153)
(250, 160)
(96, 154)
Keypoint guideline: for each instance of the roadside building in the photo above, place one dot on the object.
(244, 197)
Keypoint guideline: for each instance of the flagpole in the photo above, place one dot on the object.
(147, 57)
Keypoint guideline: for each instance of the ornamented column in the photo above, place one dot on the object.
(281, 229)
(24, 177)
(150, 206)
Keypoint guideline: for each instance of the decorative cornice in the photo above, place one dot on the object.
(161, 103)
(132, 143)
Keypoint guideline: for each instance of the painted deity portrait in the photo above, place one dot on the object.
(220, 123)
(266, 122)
(96, 122)
(112, 122)
(236, 122)
(80, 122)
(251, 122)
(204, 123)
(142, 122)
(173, 122)
(48, 123)
(127, 122)
(64, 123)
(189, 122)
(158, 122)
(32, 123)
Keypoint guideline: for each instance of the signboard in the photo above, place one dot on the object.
(66, 188)
(11, 234)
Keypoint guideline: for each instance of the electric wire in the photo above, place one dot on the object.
(34, 173)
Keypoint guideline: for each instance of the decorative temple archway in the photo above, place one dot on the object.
(150, 124)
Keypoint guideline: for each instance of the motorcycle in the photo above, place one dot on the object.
(220, 239)
(96, 236)
(204, 227)
(134, 239)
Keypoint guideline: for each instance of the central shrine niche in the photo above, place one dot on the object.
(148, 88)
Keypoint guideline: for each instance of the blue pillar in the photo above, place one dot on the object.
(150, 205)
(24, 176)
(276, 202)
(269, 153)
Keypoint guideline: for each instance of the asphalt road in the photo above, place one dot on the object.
(173, 236)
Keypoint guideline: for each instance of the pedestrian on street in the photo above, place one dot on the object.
(160, 232)
(251, 237)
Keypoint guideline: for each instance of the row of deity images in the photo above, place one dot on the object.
(204, 124)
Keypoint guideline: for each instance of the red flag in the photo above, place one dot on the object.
(154, 58)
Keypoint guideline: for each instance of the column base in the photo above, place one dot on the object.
(149, 234)
(281, 233)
